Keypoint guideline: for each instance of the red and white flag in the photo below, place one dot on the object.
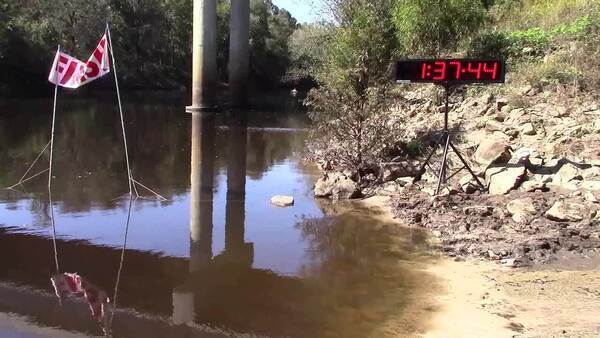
(72, 285)
(69, 72)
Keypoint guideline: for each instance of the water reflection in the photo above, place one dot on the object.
(217, 255)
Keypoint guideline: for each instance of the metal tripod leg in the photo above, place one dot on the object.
(442, 176)
(466, 165)
(433, 151)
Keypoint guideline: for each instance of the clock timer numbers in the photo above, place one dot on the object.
(477, 71)
(440, 70)
(457, 70)
(493, 70)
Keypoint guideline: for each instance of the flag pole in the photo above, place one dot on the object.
(50, 168)
(110, 45)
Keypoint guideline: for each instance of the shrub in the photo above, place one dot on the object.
(348, 110)
(489, 44)
(431, 27)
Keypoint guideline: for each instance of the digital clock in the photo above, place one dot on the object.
(450, 71)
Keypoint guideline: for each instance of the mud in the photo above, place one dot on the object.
(479, 225)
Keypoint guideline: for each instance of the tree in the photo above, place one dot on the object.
(306, 49)
(348, 108)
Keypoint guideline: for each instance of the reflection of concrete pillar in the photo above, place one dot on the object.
(239, 58)
(204, 72)
(183, 308)
(235, 212)
(202, 168)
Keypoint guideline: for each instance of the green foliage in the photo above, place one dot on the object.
(489, 44)
(306, 48)
(152, 39)
(270, 30)
(431, 27)
(361, 50)
(347, 109)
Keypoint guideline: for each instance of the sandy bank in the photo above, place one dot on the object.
(476, 298)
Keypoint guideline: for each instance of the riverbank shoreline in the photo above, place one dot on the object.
(479, 298)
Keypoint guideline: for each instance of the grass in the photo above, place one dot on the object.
(524, 14)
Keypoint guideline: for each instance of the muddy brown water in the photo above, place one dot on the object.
(215, 259)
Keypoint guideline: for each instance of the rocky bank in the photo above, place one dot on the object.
(537, 152)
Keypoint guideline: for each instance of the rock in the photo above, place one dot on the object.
(336, 185)
(591, 185)
(492, 150)
(404, 181)
(393, 171)
(512, 262)
(590, 197)
(504, 179)
(563, 211)
(592, 172)
(522, 210)
(468, 184)
(525, 89)
(528, 129)
(501, 102)
(531, 186)
(516, 114)
(282, 201)
(390, 188)
(522, 154)
(493, 125)
(566, 174)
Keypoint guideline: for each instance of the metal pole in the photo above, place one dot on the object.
(442, 177)
(447, 87)
(50, 170)
(130, 177)
(108, 328)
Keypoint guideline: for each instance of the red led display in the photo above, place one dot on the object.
(450, 71)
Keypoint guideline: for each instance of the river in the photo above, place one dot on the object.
(213, 259)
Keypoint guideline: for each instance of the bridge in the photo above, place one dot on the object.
(204, 72)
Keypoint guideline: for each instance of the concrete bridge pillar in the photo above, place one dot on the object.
(239, 57)
(204, 64)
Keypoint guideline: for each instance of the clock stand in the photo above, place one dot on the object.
(445, 140)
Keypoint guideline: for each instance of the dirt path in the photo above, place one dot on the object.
(483, 299)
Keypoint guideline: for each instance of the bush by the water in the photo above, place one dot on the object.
(348, 108)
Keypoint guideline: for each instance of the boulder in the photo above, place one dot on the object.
(590, 197)
(591, 185)
(516, 114)
(282, 201)
(336, 185)
(521, 155)
(394, 171)
(468, 184)
(564, 211)
(567, 173)
(531, 186)
(590, 173)
(528, 129)
(501, 102)
(492, 150)
(502, 180)
(522, 210)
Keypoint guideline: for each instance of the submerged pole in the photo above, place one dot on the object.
(204, 63)
(239, 46)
